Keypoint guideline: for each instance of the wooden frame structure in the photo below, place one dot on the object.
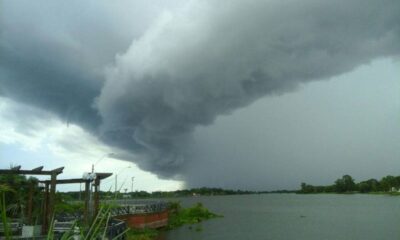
(49, 199)
(97, 180)
(50, 190)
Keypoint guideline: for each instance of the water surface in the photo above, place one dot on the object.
(292, 216)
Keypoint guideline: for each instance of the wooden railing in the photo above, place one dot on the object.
(139, 208)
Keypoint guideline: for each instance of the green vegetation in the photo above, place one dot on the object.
(97, 230)
(346, 184)
(14, 194)
(164, 194)
(180, 216)
(3, 212)
(62, 206)
(73, 196)
(17, 194)
(142, 234)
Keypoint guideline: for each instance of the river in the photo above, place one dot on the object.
(292, 216)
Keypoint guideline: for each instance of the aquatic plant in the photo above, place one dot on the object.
(180, 216)
(142, 234)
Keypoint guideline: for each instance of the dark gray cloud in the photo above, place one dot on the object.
(349, 125)
(53, 54)
(209, 59)
(182, 69)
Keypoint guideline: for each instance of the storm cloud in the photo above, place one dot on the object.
(145, 83)
(211, 58)
(53, 54)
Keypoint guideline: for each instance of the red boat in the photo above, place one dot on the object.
(146, 215)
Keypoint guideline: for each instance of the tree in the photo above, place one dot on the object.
(345, 184)
(371, 185)
(305, 188)
(387, 183)
(16, 200)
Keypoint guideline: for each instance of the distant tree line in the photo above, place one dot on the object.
(347, 184)
(204, 191)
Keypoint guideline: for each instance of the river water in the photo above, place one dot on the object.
(292, 216)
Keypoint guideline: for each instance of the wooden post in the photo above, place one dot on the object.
(30, 203)
(52, 197)
(96, 196)
(46, 209)
(86, 211)
(116, 180)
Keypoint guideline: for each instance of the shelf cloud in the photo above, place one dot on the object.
(145, 88)
(209, 59)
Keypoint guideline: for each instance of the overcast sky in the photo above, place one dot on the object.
(256, 95)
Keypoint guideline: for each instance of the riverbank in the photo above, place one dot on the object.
(178, 216)
(346, 184)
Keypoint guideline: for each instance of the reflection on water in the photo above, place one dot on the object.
(291, 216)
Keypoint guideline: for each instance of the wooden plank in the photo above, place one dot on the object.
(28, 172)
(67, 181)
(102, 176)
(58, 170)
(38, 169)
